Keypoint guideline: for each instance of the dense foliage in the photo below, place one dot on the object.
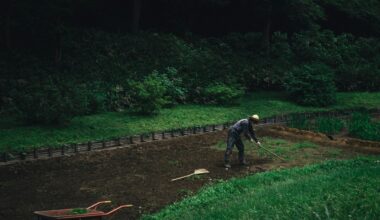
(311, 85)
(194, 61)
(53, 102)
(148, 96)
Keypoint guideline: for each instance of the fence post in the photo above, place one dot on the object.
(182, 132)
(89, 145)
(75, 146)
(194, 130)
(153, 136)
(5, 157)
(142, 138)
(23, 155)
(213, 128)
(63, 150)
(118, 141)
(205, 129)
(131, 139)
(49, 152)
(103, 144)
(172, 133)
(35, 155)
(163, 135)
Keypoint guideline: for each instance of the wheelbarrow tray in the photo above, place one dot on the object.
(68, 214)
(90, 213)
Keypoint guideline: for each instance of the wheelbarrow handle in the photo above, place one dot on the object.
(98, 203)
(120, 207)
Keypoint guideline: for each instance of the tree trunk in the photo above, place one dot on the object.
(58, 48)
(267, 31)
(7, 25)
(136, 15)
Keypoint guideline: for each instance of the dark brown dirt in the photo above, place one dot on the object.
(138, 175)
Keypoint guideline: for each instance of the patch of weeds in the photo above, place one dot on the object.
(263, 154)
(280, 151)
(307, 155)
(304, 144)
(221, 145)
(334, 152)
(274, 141)
(185, 192)
(173, 162)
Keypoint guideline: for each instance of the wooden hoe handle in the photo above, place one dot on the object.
(182, 177)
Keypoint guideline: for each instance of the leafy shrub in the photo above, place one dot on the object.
(222, 94)
(117, 98)
(329, 125)
(148, 96)
(311, 84)
(175, 93)
(362, 127)
(54, 101)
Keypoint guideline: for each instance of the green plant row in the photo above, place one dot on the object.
(359, 125)
(363, 127)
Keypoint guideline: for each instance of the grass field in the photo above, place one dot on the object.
(331, 190)
(16, 136)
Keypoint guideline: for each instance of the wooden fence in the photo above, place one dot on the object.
(75, 148)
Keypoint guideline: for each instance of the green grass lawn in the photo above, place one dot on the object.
(331, 190)
(14, 135)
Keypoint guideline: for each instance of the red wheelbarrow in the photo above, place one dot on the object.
(89, 213)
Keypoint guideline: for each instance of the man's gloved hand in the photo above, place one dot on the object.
(258, 144)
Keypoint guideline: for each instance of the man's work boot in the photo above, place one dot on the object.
(227, 156)
(227, 165)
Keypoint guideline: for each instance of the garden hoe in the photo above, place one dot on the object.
(272, 153)
(196, 172)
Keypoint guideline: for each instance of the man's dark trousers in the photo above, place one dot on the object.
(234, 139)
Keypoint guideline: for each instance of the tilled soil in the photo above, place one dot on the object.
(138, 175)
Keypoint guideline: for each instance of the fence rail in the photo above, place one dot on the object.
(75, 148)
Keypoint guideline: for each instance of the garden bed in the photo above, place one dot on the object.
(341, 140)
(140, 174)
